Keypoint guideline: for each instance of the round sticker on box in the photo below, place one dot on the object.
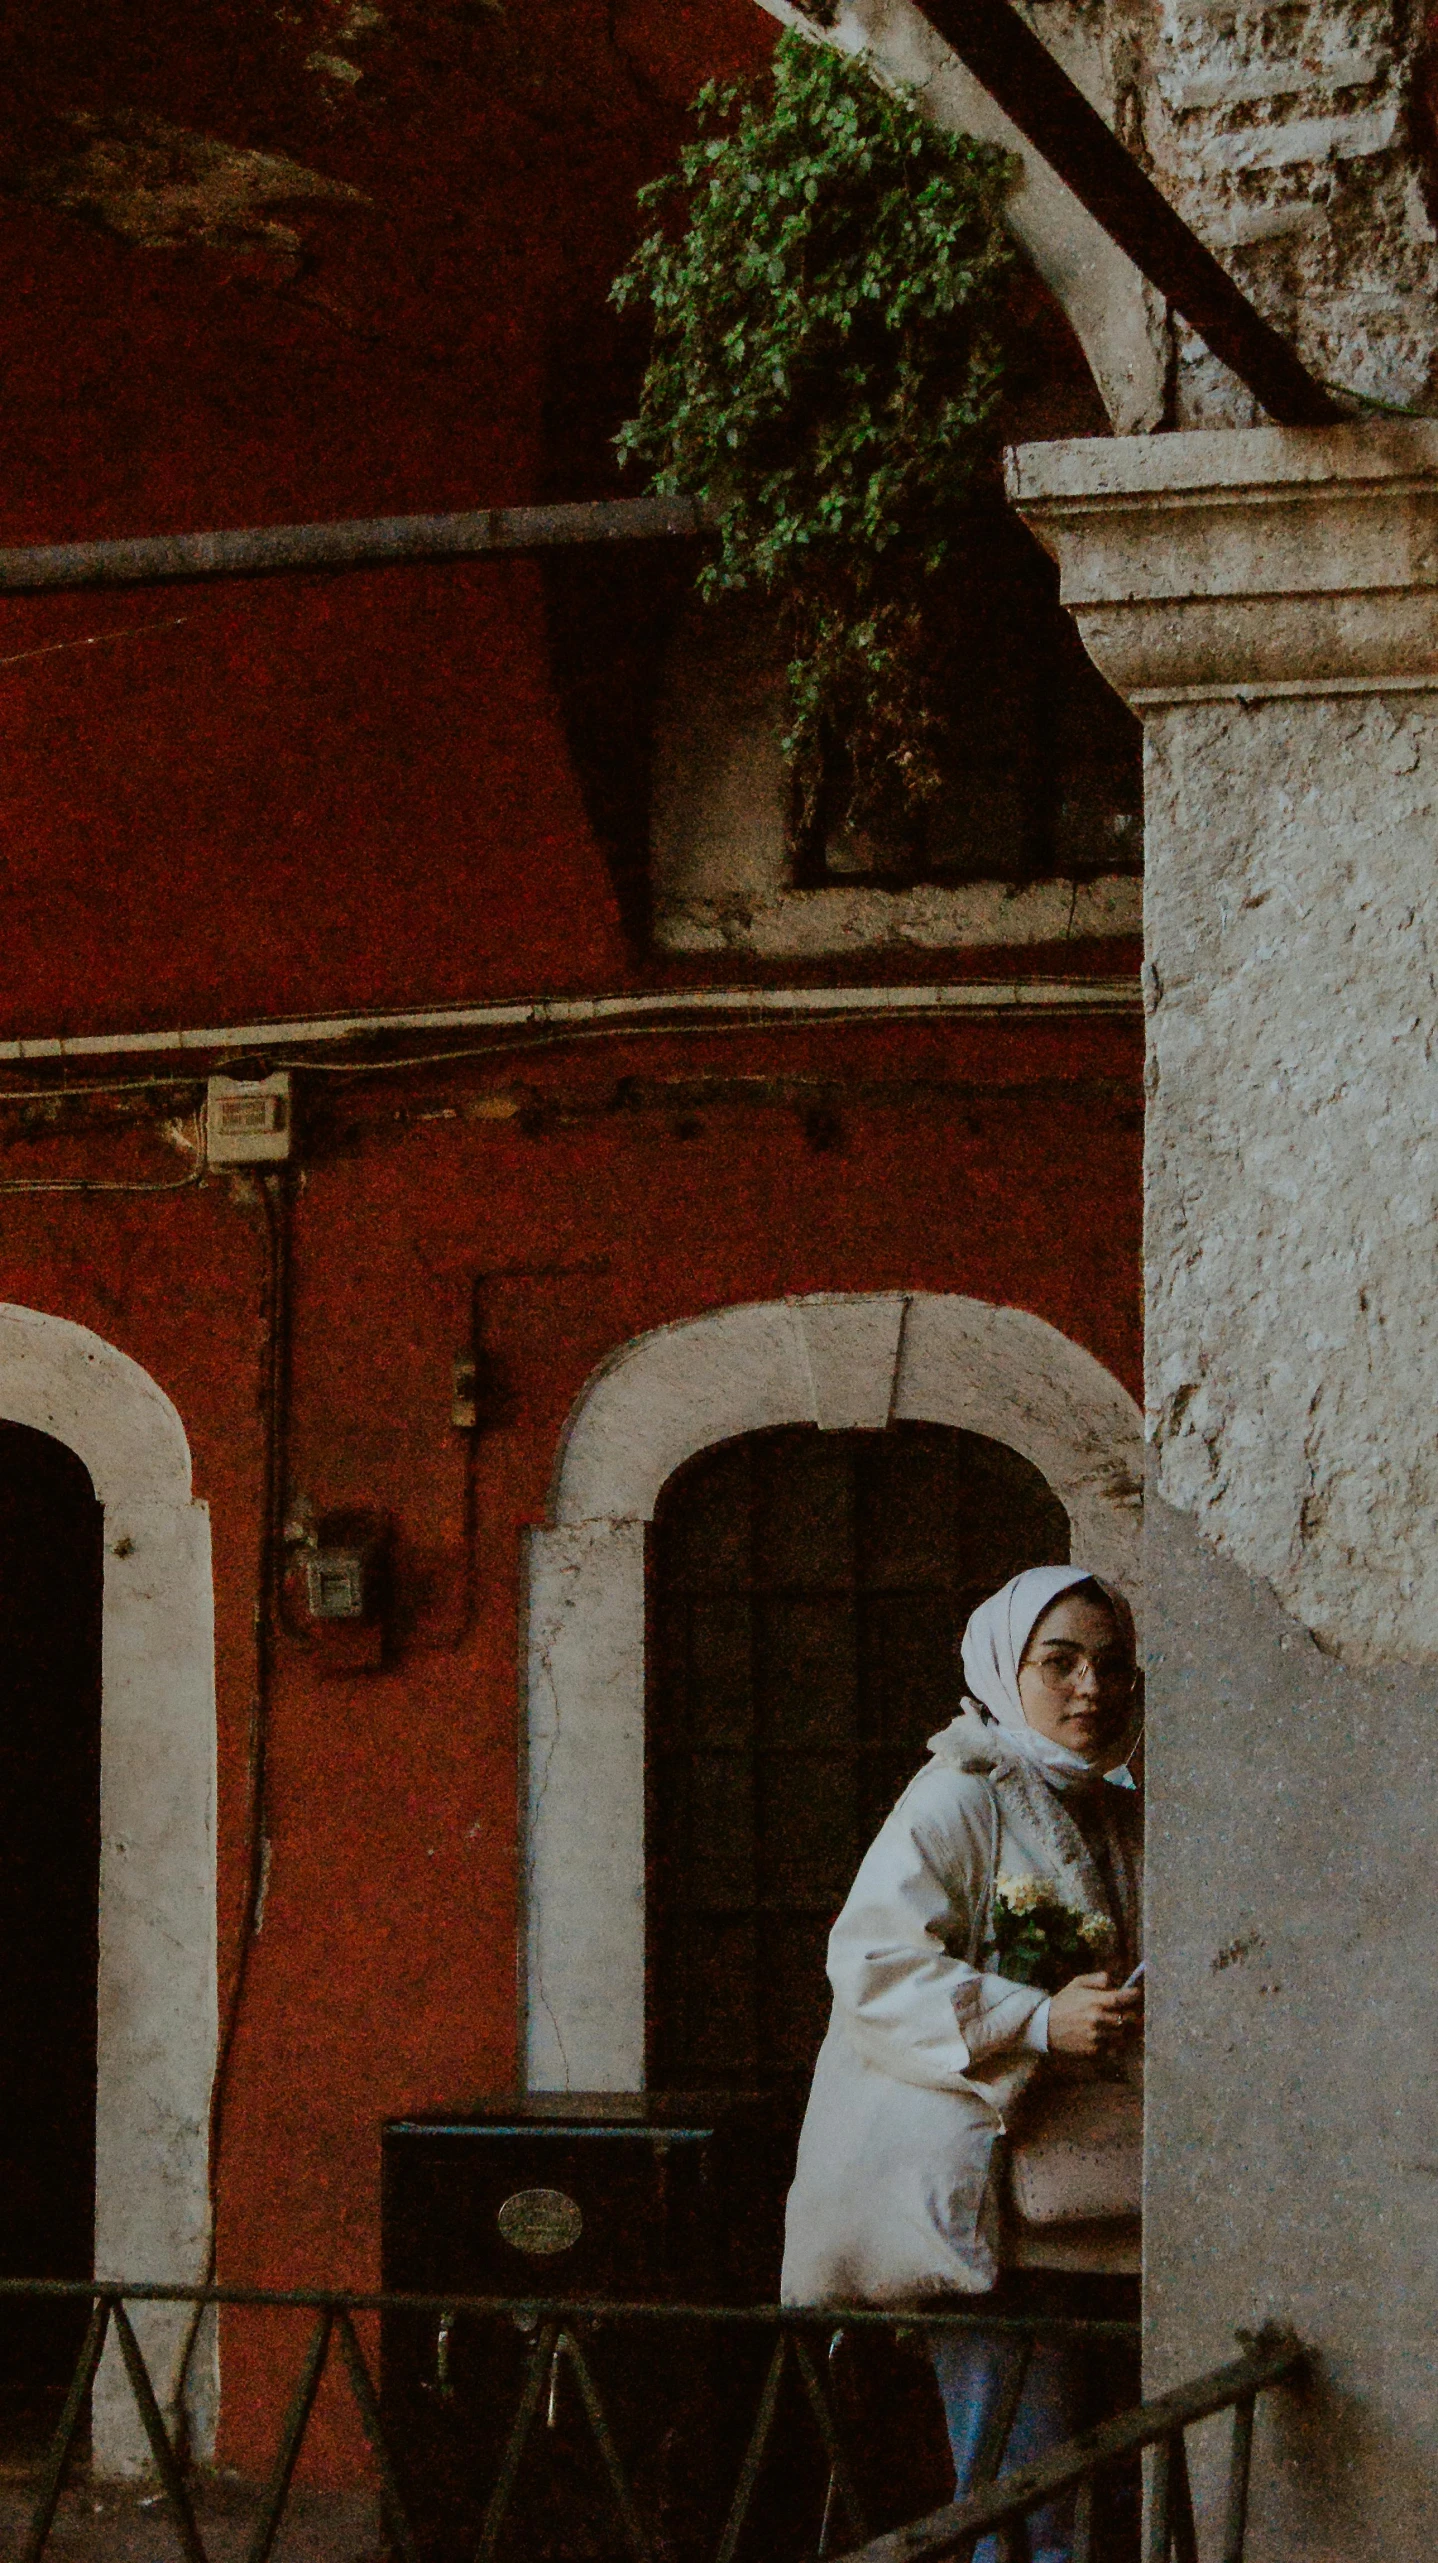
(541, 2220)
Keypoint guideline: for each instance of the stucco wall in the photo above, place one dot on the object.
(575, 1204)
(1295, 1168)
(1292, 2048)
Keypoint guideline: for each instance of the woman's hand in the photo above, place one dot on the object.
(1087, 2019)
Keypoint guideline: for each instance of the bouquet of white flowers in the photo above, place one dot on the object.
(1040, 1940)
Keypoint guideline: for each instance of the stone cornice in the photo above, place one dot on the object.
(1245, 563)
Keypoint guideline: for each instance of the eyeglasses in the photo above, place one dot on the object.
(1065, 1669)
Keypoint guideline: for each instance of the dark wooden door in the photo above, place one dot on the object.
(51, 1567)
(808, 1591)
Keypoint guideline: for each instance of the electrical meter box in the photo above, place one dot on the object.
(661, 2198)
(249, 1121)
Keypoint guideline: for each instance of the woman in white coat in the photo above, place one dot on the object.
(898, 2194)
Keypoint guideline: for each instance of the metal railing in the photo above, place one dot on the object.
(951, 2534)
(575, 2349)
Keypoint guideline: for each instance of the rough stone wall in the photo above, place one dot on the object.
(1291, 134)
(1293, 1168)
(1283, 131)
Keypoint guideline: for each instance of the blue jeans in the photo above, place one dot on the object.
(973, 2370)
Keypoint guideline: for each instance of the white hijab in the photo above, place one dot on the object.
(993, 1650)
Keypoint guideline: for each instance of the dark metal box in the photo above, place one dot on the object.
(604, 2197)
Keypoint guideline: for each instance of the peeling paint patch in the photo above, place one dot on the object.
(164, 188)
(1307, 138)
(335, 66)
(1293, 1194)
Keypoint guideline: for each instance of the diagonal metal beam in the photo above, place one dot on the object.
(167, 2464)
(47, 2498)
(1036, 93)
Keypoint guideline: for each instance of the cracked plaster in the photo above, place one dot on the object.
(161, 187)
(1294, 1167)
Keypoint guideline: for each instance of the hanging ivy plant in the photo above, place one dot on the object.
(827, 288)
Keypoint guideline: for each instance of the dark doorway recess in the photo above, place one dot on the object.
(808, 1591)
(51, 1569)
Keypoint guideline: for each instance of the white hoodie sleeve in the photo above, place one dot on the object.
(912, 2008)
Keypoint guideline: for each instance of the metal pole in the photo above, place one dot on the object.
(365, 542)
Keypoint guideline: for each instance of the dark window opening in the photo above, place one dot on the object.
(1043, 764)
(51, 1568)
(807, 1594)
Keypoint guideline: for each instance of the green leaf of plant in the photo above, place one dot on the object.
(827, 289)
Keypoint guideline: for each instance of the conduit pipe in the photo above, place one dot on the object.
(680, 1007)
(364, 542)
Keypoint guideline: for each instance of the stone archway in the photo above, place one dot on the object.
(157, 1985)
(838, 1361)
(1118, 319)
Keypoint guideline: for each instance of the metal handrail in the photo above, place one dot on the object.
(556, 2342)
(943, 2316)
(949, 2535)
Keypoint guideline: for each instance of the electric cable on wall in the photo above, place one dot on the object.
(274, 1193)
(109, 1183)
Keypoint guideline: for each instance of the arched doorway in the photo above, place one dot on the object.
(156, 2007)
(51, 1577)
(807, 1592)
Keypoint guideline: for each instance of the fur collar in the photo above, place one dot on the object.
(1035, 1811)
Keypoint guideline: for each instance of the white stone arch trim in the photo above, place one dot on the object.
(158, 2009)
(1118, 319)
(836, 1360)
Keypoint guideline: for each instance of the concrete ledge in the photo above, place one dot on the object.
(1210, 460)
(1271, 561)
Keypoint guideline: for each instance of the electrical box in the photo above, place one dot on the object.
(337, 1579)
(336, 1582)
(249, 1120)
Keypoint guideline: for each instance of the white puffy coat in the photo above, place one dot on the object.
(894, 2196)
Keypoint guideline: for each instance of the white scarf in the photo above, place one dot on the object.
(993, 1650)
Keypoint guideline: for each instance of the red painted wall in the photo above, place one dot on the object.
(287, 797)
(308, 795)
(584, 1197)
